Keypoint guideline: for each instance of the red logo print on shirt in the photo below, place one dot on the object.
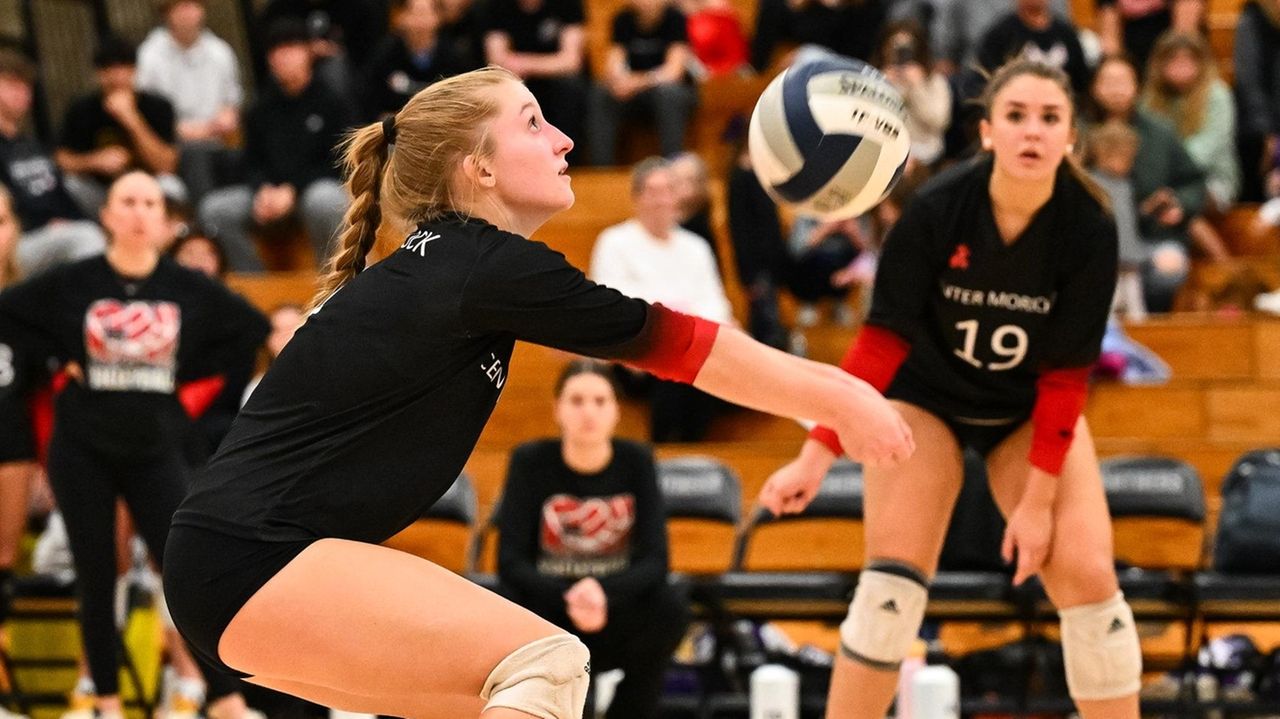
(960, 258)
(587, 527)
(132, 346)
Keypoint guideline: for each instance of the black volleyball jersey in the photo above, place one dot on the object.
(137, 340)
(983, 318)
(371, 411)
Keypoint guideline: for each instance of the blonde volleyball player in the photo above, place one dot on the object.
(367, 416)
(990, 302)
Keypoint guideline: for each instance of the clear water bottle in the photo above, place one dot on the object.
(935, 693)
(912, 663)
(775, 693)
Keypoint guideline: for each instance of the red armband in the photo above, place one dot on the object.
(196, 395)
(1060, 399)
(678, 345)
(874, 357)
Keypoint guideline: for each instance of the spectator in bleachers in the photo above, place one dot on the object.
(958, 26)
(341, 35)
(544, 43)
(1167, 184)
(693, 197)
(1257, 79)
(717, 38)
(460, 30)
(116, 129)
(1184, 89)
(905, 58)
(1131, 27)
(198, 73)
(1112, 148)
(584, 541)
(1034, 32)
(285, 321)
(54, 230)
(413, 56)
(196, 250)
(820, 249)
(847, 27)
(653, 258)
(290, 135)
(644, 74)
(123, 415)
(759, 250)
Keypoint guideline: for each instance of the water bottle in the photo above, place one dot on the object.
(775, 693)
(935, 693)
(912, 663)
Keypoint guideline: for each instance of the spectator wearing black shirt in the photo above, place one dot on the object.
(290, 136)
(584, 540)
(53, 229)
(341, 34)
(413, 56)
(1257, 79)
(543, 42)
(117, 129)
(847, 27)
(1032, 31)
(1131, 27)
(644, 73)
(135, 333)
(462, 31)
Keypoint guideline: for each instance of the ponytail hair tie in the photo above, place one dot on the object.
(389, 130)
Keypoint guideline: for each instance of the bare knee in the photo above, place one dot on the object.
(1087, 578)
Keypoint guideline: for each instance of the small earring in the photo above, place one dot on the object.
(1071, 149)
(986, 144)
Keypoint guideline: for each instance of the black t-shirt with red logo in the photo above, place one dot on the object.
(137, 339)
(558, 525)
(983, 318)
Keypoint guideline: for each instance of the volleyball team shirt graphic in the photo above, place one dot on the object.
(590, 536)
(132, 346)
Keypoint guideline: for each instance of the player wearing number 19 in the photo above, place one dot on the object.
(990, 304)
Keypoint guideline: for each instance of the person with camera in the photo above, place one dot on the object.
(905, 59)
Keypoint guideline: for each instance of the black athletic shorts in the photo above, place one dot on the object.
(209, 576)
(980, 434)
(17, 437)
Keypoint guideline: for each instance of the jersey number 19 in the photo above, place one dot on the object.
(1013, 352)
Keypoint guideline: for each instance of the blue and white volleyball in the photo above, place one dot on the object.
(828, 136)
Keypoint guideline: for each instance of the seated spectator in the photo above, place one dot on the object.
(717, 39)
(958, 25)
(1034, 32)
(117, 129)
(1256, 58)
(290, 135)
(196, 250)
(1183, 89)
(285, 321)
(53, 229)
(847, 27)
(197, 72)
(819, 250)
(759, 250)
(410, 58)
(340, 33)
(1112, 149)
(644, 73)
(543, 43)
(1168, 186)
(584, 541)
(693, 196)
(653, 258)
(461, 31)
(904, 57)
(1131, 27)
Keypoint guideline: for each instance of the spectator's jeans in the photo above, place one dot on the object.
(228, 214)
(58, 242)
(670, 105)
(201, 165)
(1159, 288)
(90, 193)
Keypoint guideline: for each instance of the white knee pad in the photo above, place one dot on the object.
(546, 678)
(884, 617)
(1100, 650)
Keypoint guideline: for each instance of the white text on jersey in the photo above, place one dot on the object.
(992, 298)
(417, 242)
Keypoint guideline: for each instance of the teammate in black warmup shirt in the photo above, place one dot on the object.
(584, 540)
(134, 330)
(370, 412)
(990, 303)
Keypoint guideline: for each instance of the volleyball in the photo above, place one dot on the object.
(828, 136)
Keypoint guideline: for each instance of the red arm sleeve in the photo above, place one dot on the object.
(677, 345)
(874, 357)
(1060, 398)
